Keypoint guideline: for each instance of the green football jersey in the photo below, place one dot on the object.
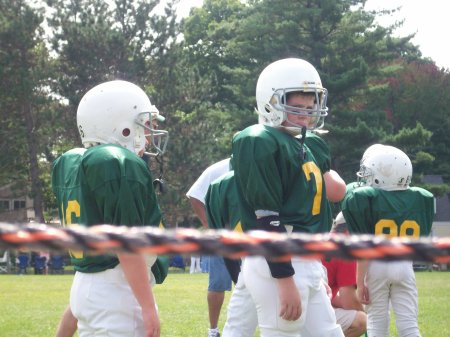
(369, 210)
(105, 184)
(274, 172)
(222, 206)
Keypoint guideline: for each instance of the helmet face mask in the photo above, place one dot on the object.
(364, 175)
(388, 168)
(156, 139)
(282, 78)
(119, 112)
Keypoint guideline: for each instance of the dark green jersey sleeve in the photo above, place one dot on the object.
(222, 208)
(392, 213)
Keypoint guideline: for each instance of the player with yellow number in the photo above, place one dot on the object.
(281, 183)
(383, 203)
(107, 182)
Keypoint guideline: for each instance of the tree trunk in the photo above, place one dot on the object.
(36, 186)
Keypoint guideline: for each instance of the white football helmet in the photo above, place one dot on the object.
(119, 112)
(387, 168)
(285, 76)
(371, 150)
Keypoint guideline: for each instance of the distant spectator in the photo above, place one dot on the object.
(195, 264)
(341, 274)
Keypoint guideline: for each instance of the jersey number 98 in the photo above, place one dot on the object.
(390, 229)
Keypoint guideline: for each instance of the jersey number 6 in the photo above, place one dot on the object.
(73, 208)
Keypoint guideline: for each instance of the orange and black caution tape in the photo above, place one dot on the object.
(120, 239)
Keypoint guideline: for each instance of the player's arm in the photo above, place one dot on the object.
(362, 290)
(347, 299)
(199, 210)
(136, 272)
(290, 301)
(335, 186)
(68, 324)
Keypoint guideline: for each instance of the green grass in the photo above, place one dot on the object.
(31, 305)
(434, 304)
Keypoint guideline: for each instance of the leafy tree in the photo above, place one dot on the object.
(201, 73)
(235, 41)
(98, 41)
(25, 104)
(419, 94)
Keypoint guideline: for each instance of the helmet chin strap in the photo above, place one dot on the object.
(159, 182)
(302, 152)
(296, 132)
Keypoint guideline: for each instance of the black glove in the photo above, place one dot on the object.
(272, 223)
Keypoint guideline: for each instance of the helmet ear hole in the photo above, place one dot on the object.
(376, 181)
(126, 132)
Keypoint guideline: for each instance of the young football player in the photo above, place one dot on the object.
(385, 204)
(219, 279)
(341, 277)
(281, 188)
(107, 182)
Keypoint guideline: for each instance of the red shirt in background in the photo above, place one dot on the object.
(341, 273)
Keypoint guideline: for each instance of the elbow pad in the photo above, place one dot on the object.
(272, 224)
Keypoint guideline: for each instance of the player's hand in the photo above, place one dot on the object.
(291, 304)
(362, 292)
(328, 289)
(151, 323)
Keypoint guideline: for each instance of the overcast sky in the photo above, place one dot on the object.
(429, 19)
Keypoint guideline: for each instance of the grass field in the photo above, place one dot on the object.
(31, 305)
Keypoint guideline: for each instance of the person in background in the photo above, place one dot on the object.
(219, 278)
(195, 264)
(341, 277)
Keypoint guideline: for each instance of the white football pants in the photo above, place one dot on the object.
(318, 318)
(242, 319)
(394, 281)
(105, 305)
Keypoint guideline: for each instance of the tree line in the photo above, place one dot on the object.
(201, 72)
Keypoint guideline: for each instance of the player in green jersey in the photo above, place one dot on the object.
(219, 279)
(281, 187)
(108, 183)
(385, 204)
(222, 211)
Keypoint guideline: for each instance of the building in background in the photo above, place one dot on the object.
(15, 205)
(441, 223)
